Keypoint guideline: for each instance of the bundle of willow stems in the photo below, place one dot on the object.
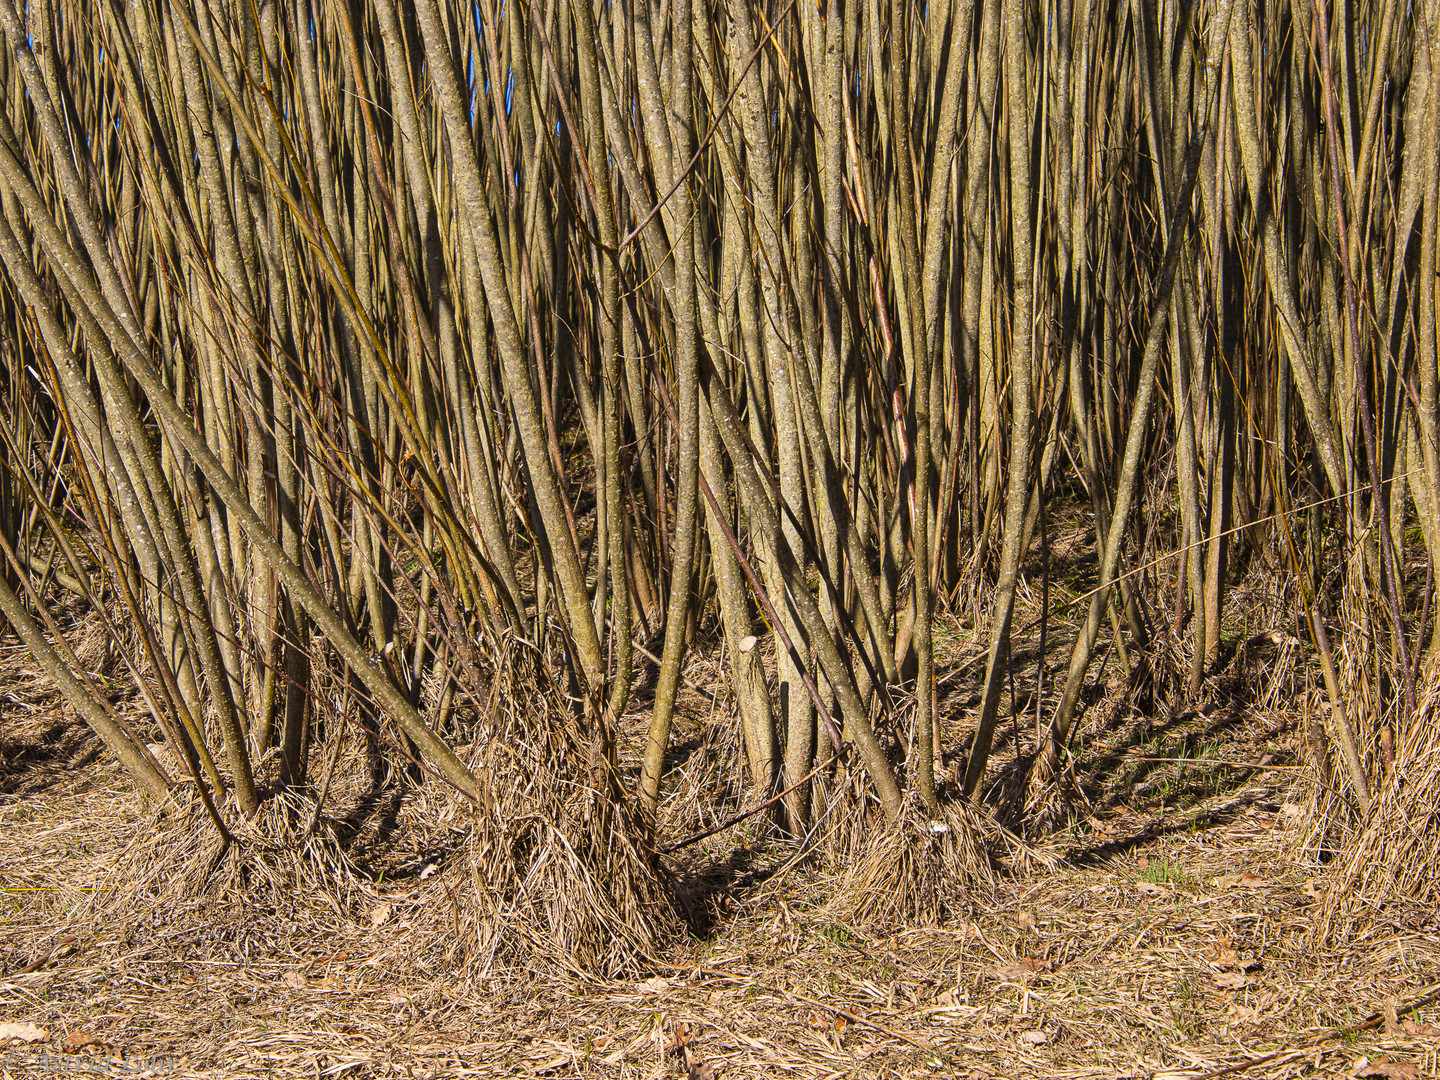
(352, 349)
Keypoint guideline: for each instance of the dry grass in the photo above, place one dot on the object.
(547, 872)
(1176, 923)
(923, 871)
(1148, 953)
(559, 873)
(1389, 874)
(1158, 958)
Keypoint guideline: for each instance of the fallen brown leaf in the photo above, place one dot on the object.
(1384, 1067)
(695, 1069)
(22, 1033)
(1231, 980)
(1225, 958)
(1392, 1017)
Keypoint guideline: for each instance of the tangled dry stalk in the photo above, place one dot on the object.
(561, 868)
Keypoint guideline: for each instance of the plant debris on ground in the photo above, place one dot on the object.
(1180, 935)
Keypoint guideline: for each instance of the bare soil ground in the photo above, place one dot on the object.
(1176, 938)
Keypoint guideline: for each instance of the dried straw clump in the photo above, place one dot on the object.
(921, 871)
(564, 878)
(1054, 806)
(1389, 875)
(1335, 825)
(287, 853)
